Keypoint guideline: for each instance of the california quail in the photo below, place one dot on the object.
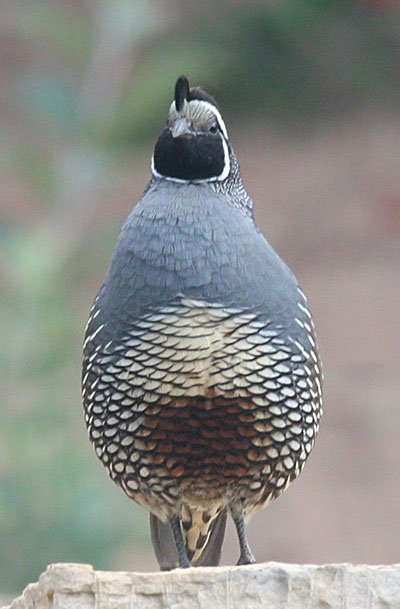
(201, 377)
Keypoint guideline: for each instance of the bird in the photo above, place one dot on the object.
(201, 377)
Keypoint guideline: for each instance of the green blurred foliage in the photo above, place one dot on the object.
(86, 86)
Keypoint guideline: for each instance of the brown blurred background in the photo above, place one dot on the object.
(310, 92)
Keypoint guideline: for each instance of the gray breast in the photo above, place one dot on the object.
(201, 377)
(188, 240)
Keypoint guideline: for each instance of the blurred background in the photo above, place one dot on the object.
(310, 91)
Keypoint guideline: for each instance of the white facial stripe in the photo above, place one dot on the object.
(169, 178)
(227, 164)
(193, 107)
(217, 115)
(222, 176)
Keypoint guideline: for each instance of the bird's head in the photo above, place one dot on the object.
(194, 145)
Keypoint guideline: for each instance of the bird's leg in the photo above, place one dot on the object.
(246, 555)
(184, 562)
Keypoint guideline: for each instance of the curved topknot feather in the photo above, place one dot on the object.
(181, 92)
(201, 380)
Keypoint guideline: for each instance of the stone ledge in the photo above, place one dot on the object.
(269, 585)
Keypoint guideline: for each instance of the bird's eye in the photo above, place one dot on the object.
(213, 128)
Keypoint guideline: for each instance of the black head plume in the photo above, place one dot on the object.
(193, 146)
(181, 92)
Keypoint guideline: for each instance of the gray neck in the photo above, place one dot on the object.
(233, 188)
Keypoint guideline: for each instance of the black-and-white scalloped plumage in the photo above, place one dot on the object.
(201, 375)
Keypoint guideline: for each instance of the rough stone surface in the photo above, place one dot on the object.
(267, 586)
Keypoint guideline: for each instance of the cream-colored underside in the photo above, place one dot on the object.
(194, 349)
(190, 351)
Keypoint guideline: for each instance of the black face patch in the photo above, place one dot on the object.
(189, 157)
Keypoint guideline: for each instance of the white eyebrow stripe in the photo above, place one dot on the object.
(227, 162)
(216, 113)
(208, 106)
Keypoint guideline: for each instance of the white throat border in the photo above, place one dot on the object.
(227, 161)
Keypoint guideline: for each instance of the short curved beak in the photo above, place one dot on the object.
(181, 127)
